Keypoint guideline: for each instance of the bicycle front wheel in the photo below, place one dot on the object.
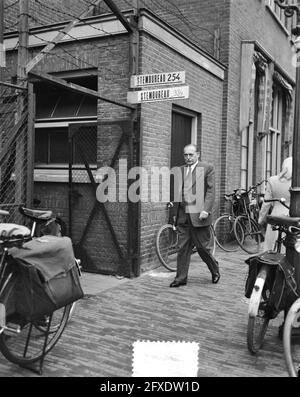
(224, 233)
(258, 319)
(166, 245)
(25, 345)
(291, 340)
(247, 234)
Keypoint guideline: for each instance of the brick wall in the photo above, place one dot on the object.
(205, 99)
(43, 12)
(249, 20)
(111, 57)
(196, 19)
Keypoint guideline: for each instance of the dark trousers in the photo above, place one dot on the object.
(200, 237)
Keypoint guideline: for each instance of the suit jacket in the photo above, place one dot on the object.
(203, 182)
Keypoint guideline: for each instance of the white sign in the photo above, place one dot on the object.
(157, 79)
(161, 94)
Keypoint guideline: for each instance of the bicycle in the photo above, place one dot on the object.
(246, 228)
(41, 223)
(166, 242)
(22, 339)
(291, 345)
(223, 225)
(270, 284)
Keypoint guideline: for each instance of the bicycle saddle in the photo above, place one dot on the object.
(11, 230)
(36, 215)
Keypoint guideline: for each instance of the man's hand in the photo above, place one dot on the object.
(203, 216)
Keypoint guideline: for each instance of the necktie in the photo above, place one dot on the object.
(188, 182)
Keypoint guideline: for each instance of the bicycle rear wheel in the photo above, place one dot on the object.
(258, 319)
(27, 345)
(247, 234)
(166, 245)
(291, 340)
(224, 233)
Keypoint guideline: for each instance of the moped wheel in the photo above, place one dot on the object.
(291, 340)
(166, 245)
(258, 319)
(224, 233)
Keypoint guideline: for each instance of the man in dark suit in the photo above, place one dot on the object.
(194, 206)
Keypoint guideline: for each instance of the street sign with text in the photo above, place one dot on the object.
(144, 80)
(156, 95)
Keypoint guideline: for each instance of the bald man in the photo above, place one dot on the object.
(193, 220)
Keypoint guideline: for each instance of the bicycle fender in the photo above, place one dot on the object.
(256, 294)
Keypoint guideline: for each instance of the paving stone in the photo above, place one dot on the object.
(99, 338)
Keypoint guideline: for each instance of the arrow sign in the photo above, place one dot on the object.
(158, 95)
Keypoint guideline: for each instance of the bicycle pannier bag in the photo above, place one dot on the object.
(48, 278)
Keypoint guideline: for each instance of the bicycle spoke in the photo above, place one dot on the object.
(166, 247)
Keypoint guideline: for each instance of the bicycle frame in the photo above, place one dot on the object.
(284, 225)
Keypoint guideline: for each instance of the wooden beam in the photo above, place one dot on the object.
(2, 51)
(58, 37)
(76, 88)
(17, 87)
(30, 146)
(23, 54)
(119, 14)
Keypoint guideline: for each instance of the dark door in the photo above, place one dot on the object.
(181, 136)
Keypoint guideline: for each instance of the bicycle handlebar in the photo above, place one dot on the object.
(281, 201)
(4, 213)
(227, 196)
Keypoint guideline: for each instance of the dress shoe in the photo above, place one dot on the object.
(176, 284)
(216, 278)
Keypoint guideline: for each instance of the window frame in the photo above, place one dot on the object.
(276, 133)
(278, 14)
(59, 172)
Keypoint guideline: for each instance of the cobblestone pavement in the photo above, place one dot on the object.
(98, 340)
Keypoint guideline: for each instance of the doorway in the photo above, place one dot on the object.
(182, 126)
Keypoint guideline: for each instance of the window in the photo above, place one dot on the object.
(278, 12)
(57, 109)
(56, 102)
(244, 156)
(52, 147)
(275, 138)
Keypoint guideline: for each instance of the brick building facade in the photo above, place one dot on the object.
(237, 59)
